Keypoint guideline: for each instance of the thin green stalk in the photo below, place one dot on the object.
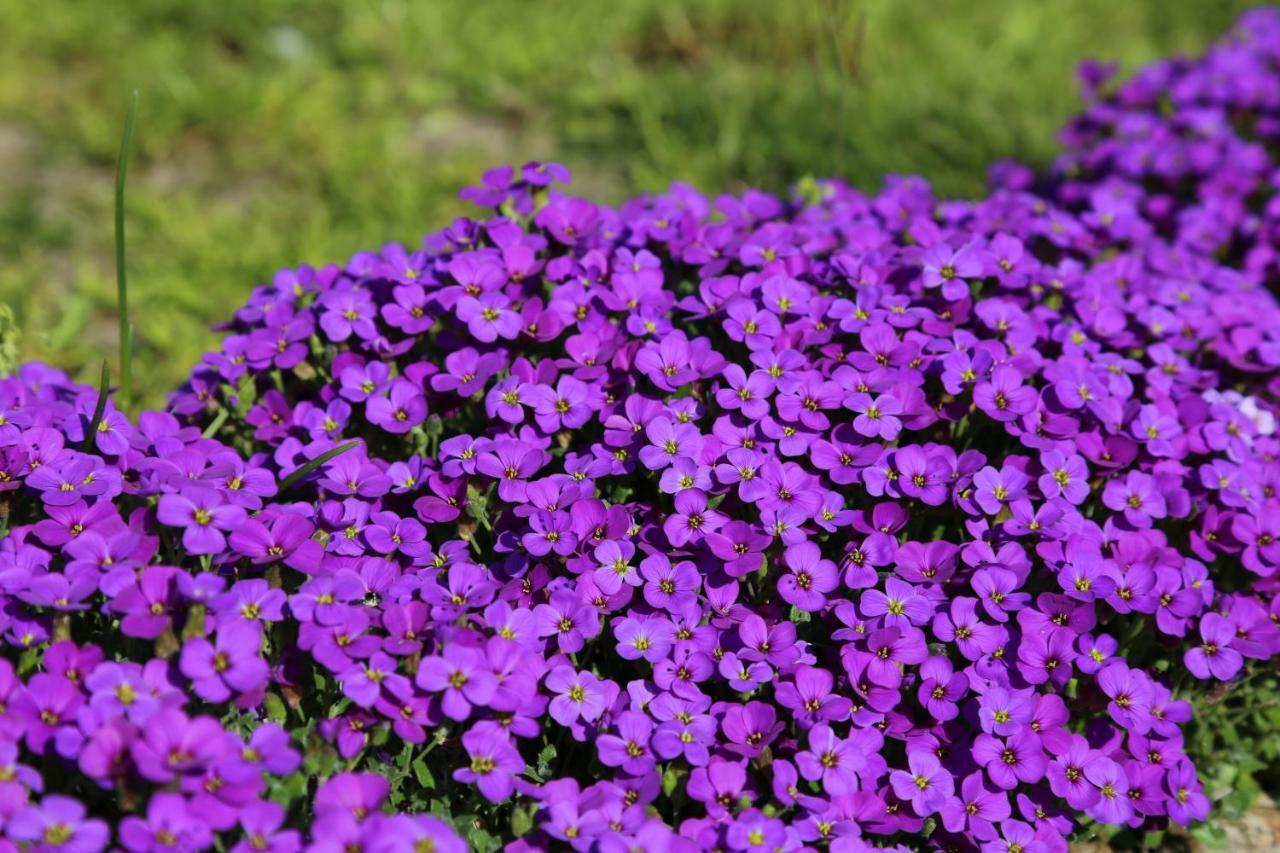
(216, 424)
(104, 391)
(122, 285)
(307, 467)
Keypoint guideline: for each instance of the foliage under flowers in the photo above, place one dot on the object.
(742, 523)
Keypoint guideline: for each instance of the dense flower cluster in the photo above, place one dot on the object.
(739, 523)
(134, 639)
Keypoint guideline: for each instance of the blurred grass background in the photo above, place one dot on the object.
(274, 133)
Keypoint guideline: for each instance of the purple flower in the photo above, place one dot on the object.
(1130, 692)
(719, 785)
(567, 618)
(1188, 801)
(402, 409)
(649, 638)
(629, 748)
(494, 762)
(835, 761)
(1113, 804)
(577, 695)
(900, 604)
(673, 588)
(488, 317)
(1004, 712)
(47, 702)
(147, 603)
(169, 823)
(459, 673)
(1065, 475)
(203, 514)
(926, 786)
(1214, 657)
(567, 406)
(947, 268)
(68, 482)
(994, 489)
(1137, 497)
(172, 745)
(976, 809)
(262, 822)
(877, 417)
(810, 697)
(1003, 397)
(364, 682)
(692, 518)
(58, 823)
(669, 441)
(1067, 776)
(230, 664)
(1012, 760)
(347, 313)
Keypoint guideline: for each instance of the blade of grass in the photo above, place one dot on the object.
(104, 391)
(122, 285)
(216, 424)
(307, 467)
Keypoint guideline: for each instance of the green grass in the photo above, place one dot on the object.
(273, 133)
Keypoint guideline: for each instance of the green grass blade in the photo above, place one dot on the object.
(122, 284)
(307, 467)
(216, 424)
(104, 391)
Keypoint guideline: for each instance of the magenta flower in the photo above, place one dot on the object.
(568, 619)
(947, 268)
(494, 762)
(1019, 758)
(673, 588)
(833, 761)
(1214, 657)
(629, 748)
(1003, 397)
(877, 416)
(230, 664)
(488, 317)
(169, 823)
(203, 515)
(460, 675)
(58, 823)
(976, 809)
(926, 786)
(577, 695)
(403, 408)
(1138, 498)
(172, 745)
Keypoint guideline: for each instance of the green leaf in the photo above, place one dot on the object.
(246, 394)
(521, 821)
(276, 711)
(545, 757)
(289, 790)
(29, 660)
(671, 780)
(423, 774)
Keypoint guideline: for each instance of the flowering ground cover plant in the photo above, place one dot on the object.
(747, 523)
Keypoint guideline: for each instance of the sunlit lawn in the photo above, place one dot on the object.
(274, 133)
